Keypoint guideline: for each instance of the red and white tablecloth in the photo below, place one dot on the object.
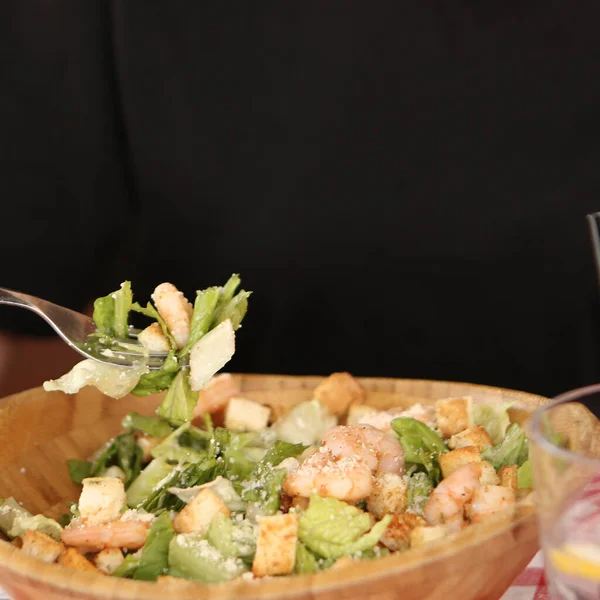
(529, 585)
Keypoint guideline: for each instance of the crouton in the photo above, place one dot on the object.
(246, 415)
(473, 436)
(276, 545)
(397, 535)
(509, 477)
(389, 495)
(356, 412)
(109, 560)
(41, 546)
(197, 515)
(338, 392)
(154, 339)
(147, 443)
(75, 560)
(455, 459)
(488, 474)
(491, 501)
(424, 534)
(454, 415)
(216, 394)
(101, 499)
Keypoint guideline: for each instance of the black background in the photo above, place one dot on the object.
(403, 184)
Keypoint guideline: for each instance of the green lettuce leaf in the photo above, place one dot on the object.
(220, 486)
(305, 424)
(193, 557)
(331, 528)
(111, 312)
(230, 305)
(122, 451)
(525, 475)
(179, 402)
(111, 380)
(150, 482)
(419, 489)
(171, 450)
(421, 445)
(204, 309)
(78, 470)
(306, 561)
(152, 426)
(15, 520)
(158, 380)
(279, 451)
(231, 538)
(154, 560)
(128, 567)
(513, 450)
(494, 418)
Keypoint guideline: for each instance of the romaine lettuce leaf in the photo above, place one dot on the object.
(171, 450)
(494, 418)
(78, 469)
(152, 426)
(419, 489)
(232, 538)
(128, 567)
(230, 305)
(150, 481)
(513, 450)
(204, 309)
(305, 424)
(306, 561)
(154, 559)
(421, 445)
(193, 557)
(111, 380)
(16, 520)
(158, 380)
(220, 486)
(122, 451)
(525, 475)
(111, 312)
(332, 528)
(179, 402)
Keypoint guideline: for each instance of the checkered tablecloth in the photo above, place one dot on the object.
(530, 585)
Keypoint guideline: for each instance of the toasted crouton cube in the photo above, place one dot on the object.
(276, 545)
(389, 495)
(338, 392)
(356, 412)
(473, 436)
(102, 499)
(41, 546)
(109, 560)
(455, 459)
(424, 535)
(454, 415)
(154, 339)
(397, 535)
(488, 474)
(509, 476)
(216, 394)
(75, 560)
(197, 515)
(246, 415)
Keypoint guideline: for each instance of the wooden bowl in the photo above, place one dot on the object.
(39, 431)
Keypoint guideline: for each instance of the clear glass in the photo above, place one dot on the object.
(565, 451)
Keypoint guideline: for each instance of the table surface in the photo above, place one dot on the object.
(529, 585)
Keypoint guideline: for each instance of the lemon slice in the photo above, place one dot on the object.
(579, 560)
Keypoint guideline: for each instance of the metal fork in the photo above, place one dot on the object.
(75, 329)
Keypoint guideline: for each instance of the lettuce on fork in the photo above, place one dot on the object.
(218, 313)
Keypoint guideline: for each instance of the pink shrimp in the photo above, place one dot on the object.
(130, 534)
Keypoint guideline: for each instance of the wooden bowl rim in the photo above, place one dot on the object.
(73, 582)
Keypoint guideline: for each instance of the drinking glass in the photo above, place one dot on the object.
(565, 451)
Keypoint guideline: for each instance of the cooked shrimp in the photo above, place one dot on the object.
(116, 534)
(176, 311)
(491, 500)
(344, 478)
(217, 393)
(381, 452)
(447, 501)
